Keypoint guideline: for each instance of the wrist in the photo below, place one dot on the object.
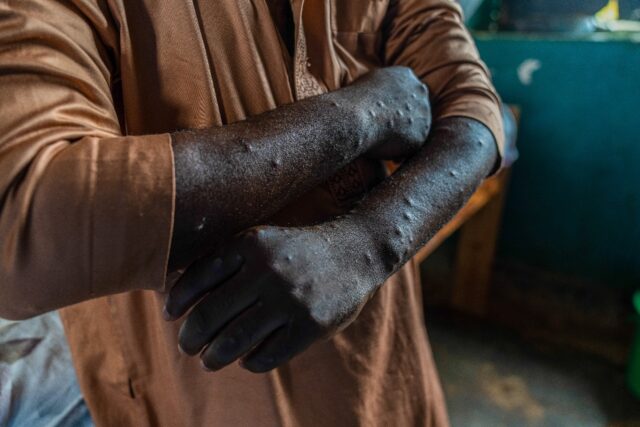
(389, 240)
(360, 247)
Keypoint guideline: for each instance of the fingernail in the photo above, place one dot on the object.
(204, 367)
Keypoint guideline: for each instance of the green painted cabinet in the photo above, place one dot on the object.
(574, 203)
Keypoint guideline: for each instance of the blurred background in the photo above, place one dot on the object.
(530, 295)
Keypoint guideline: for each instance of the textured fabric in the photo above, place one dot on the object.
(85, 210)
(89, 91)
(38, 386)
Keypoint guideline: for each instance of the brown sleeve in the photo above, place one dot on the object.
(430, 37)
(84, 211)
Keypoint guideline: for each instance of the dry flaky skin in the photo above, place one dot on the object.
(236, 176)
(277, 290)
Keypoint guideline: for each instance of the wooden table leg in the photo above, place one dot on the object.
(475, 254)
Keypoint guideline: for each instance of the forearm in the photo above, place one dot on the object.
(412, 205)
(236, 176)
(320, 277)
(233, 177)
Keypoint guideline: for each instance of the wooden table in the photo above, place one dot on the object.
(479, 223)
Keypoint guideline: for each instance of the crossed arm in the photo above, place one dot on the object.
(60, 143)
(236, 176)
(273, 291)
(227, 178)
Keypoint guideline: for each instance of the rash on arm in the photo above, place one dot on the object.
(236, 176)
(407, 209)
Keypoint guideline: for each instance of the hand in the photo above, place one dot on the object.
(294, 286)
(397, 103)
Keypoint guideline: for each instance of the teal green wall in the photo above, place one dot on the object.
(574, 202)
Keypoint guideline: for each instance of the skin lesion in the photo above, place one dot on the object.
(314, 280)
(234, 188)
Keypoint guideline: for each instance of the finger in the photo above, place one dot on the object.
(241, 335)
(279, 348)
(216, 310)
(200, 278)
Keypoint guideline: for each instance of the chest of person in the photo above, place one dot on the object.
(205, 62)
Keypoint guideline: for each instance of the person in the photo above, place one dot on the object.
(221, 162)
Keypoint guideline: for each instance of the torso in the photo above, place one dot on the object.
(214, 62)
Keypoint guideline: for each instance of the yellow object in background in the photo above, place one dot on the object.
(611, 12)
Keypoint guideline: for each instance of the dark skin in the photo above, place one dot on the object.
(273, 291)
(276, 290)
(233, 177)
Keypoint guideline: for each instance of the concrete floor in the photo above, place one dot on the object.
(493, 378)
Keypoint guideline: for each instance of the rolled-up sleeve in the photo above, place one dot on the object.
(430, 37)
(84, 211)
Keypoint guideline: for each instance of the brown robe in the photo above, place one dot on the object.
(89, 90)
